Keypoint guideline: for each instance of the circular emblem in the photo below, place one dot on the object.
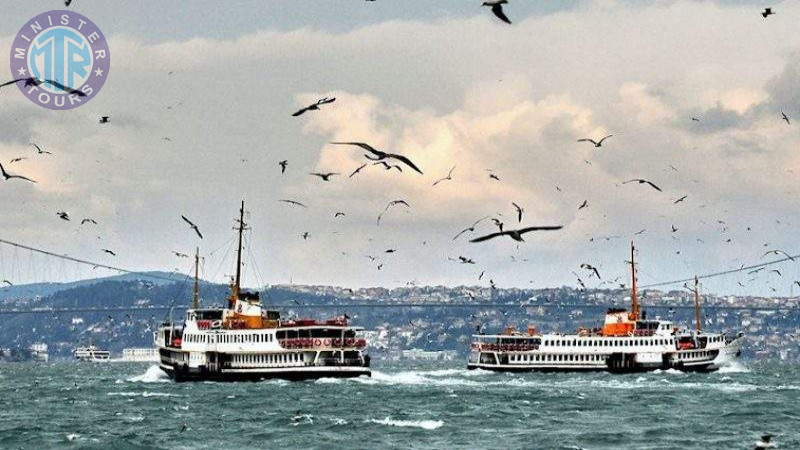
(60, 59)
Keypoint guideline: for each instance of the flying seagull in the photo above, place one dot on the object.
(641, 181)
(180, 255)
(386, 166)
(494, 177)
(392, 203)
(283, 165)
(192, 226)
(379, 155)
(679, 200)
(324, 176)
(315, 106)
(497, 9)
(516, 234)
(292, 202)
(520, 210)
(470, 228)
(9, 176)
(39, 150)
(785, 117)
(591, 268)
(447, 178)
(63, 215)
(585, 204)
(767, 12)
(779, 252)
(597, 144)
(104, 119)
(21, 158)
(358, 169)
(338, 214)
(105, 250)
(84, 221)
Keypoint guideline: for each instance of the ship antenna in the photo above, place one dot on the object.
(634, 295)
(196, 294)
(237, 282)
(697, 324)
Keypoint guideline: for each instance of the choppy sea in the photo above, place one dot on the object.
(439, 406)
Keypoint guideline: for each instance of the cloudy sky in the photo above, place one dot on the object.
(446, 84)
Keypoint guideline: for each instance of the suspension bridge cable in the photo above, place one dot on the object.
(724, 272)
(86, 262)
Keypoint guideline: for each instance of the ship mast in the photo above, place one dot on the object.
(634, 295)
(196, 293)
(697, 323)
(235, 288)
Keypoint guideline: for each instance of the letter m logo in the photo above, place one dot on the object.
(19, 53)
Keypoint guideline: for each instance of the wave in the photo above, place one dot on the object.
(154, 374)
(733, 367)
(142, 394)
(424, 424)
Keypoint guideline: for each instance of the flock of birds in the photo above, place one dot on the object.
(389, 161)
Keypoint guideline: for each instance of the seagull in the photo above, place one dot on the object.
(192, 226)
(494, 177)
(641, 181)
(516, 234)
(470, 228)
(673, 228)
(679, 200)
(497, 9)
(39, 150)
(305, 235)
(449, 177)
(292, 202)
(63, 215)
(767, 12)
(85, 221)
(392, 203)
(21, 158)
(105, 250)
(379, 155)
(8, 282)
(498, 223)
(339, 214)
(315, 106)
(519, 211)
(283, 165)
(592, 268)
(779, 252)
(9, 176)
(358, 169)
(597, 144)
(104, 119)
(387, 166)
(776, 271)
(785, 117)
(324, 176)
(180, 255)
(695, 119)
(585, 204)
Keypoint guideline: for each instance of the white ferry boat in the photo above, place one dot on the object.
(246, 342)
(91, 353)
(627, 342)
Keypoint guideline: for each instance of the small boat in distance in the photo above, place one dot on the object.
(91, 353)
(243, 341)
(627, 342)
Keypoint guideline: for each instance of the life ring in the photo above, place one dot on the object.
(348, 342)
(337, 342)
(317, 342)
(327, 342)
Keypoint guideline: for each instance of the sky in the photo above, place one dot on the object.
(201, 94)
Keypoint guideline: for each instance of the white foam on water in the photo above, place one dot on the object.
(73, 436)
(424, 424)
(329, 381)
(733, 367)
(154, 374)
(142, 394)
(338, 421)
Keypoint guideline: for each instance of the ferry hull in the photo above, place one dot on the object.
(708, 367)
(184, 374)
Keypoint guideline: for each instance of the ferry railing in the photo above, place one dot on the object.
(322, 343)
(504, 347)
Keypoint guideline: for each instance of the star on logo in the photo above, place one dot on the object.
(98, 72)
(21, 71)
